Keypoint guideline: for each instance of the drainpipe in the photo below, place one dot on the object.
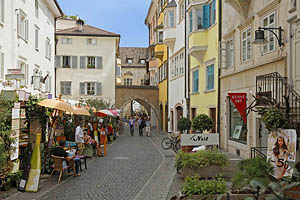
(167, 128)
(186, 70)
(219, 71)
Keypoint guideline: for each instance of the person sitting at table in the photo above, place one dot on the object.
(89, 140)
(59, 151)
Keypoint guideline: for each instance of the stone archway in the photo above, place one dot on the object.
(147, 96)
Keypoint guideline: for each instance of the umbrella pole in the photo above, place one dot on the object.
(49, 136)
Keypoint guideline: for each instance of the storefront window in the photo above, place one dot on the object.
(238, 128)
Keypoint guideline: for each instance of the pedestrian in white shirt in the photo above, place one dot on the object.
(79, 138)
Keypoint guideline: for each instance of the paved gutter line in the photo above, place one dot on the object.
(165, 195)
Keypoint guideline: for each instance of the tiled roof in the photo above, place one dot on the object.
(87, 31)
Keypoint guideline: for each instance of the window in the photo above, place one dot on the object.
(171, 21)
(195, 81)
(2, 11)
(269, 22)
(36, 8)
(246, 44)
(129, 61)
(66, 61)
(199, 13)
(65, 87)
(36, 33)
(128, 81)
(160, 36)
(229, 53)
(210, 77)
(48, 49)
(91, 88)
(118, 71)
(48, 82)
(142, 61)
(91, 62)
(1, 65)
(191, 21)
(36, 77)
(238, 128)
(152, 53)
(22, 26)
(66, 40)
(92, 41)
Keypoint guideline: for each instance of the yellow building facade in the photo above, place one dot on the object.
(202, 28)
(161, 53)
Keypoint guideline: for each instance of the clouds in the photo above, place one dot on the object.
(125, 17)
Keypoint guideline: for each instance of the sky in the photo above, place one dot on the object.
(124, 17)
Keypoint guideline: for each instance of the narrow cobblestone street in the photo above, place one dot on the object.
(134, 168)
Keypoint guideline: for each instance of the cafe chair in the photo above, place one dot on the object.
(58, 165)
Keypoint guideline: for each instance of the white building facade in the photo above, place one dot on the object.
(85, 62)
(174, 38)
(27, 45)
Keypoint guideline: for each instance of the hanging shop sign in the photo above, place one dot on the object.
(239, 101)
(199, 139)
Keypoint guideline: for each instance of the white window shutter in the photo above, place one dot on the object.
(2, 11)
(26, 30)
(57, 61)
(83, 62)
(82, 88)
(74, 62)
(1, 65)
(99, 88)
(26, 74)
(99, 64)
(18, 25)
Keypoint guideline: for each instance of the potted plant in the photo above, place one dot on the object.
(194, 188)
(274, 119)
(184, 125)
(205, 164)
(202, 123)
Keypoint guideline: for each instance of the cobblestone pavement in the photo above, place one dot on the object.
(135, 168)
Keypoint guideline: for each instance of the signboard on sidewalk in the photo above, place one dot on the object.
(200, 139)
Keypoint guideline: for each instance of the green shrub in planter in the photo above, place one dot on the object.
(193, 186)
(250, 169)
(274, 119)
(202, 123)
(184, 124)
(201, 159)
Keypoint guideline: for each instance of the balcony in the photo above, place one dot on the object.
(159, 51)
(198, 45)
(170, 37)
(241, 6)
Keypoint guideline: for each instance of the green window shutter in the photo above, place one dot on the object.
(57, 61)
(99, 62)
(99, 88)
(213, 12)
(74, 62)
(82, 62)
(205, 16)
(82, 88)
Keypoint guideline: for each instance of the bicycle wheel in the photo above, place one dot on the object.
(166, 143)
(177, 146)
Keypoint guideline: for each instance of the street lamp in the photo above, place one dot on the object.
(260, 35)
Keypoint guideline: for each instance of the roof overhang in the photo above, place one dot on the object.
(55, 8)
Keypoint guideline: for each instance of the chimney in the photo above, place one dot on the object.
(80, 24)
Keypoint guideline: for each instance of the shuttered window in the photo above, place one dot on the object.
(210, 77)
(65, 87)
(91, 88)
(36, 36)
(57, 61)
(1, 65)
(195, 81)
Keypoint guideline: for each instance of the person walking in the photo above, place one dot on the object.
(79, 138)
(148, 125)
(141, 124)
(131, 125)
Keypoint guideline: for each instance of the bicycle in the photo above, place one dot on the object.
(174, 142)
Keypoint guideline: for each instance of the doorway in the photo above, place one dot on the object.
(179, 115)
(213, 116)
